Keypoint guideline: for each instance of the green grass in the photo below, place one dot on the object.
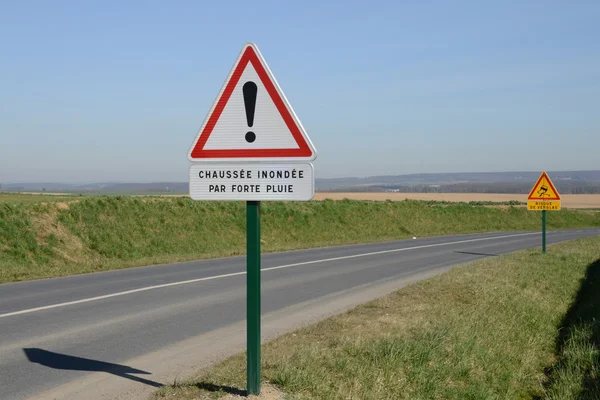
(522, 326)
(576, 375)
(87, 234)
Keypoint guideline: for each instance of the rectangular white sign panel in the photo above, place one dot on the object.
(258, 181)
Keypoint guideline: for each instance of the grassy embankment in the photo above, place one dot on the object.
(522, 326)
(81, 234)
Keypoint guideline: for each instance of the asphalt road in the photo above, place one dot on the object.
(120, 334)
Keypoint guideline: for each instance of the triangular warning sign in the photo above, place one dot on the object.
(544, 189)
(251, 120)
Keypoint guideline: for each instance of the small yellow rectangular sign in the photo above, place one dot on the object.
(543, 205)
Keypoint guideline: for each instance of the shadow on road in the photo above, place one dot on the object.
(62, 361)
(578, 344)
(477, 254)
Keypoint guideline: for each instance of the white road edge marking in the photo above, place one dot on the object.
(209, 278)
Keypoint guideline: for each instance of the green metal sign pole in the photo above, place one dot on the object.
(543, 231)
(253, 296)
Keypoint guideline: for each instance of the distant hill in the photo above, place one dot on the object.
(51, 186)
(112, 187)
(462, 177)
(464, 182)
(467, 182)
(167, 187)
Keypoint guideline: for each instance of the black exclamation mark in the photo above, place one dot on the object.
(250, 90)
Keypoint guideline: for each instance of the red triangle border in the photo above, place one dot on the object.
(531, 194)
(303, 150)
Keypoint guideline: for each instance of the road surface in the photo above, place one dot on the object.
(121, 334)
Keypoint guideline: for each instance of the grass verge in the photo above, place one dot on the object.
(488, 330)
(576, 374)
(87, 234)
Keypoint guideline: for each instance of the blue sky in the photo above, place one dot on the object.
(116, 91)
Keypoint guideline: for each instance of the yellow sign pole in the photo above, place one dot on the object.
(543, 197)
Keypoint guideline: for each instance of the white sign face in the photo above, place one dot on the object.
(252, 181)
(251, 119)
